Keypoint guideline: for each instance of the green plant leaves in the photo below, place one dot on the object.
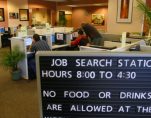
(10, 60)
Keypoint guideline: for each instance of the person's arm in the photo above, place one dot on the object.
(76, 41)
(32, 47)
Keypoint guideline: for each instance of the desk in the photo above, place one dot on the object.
(59, 46)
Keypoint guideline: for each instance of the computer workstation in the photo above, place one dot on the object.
(58, 41)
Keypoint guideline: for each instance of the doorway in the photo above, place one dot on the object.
(68, 20)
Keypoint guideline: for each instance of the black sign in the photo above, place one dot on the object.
(95, 86)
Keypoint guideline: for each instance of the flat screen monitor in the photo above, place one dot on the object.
(2, 30)
(28, 41)
(60, 38)
(52, 38)
(75, 34)
(42, 37)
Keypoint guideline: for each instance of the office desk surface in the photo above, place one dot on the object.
(59, 46)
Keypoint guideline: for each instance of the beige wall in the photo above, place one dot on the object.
(81, 15)
(118, 28)
(3, 4)
(14, 6)
(40, 16)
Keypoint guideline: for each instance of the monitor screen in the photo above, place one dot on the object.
(59, 38)
(2, 30)
(28, 41)
(6, 29)
(52, 38)
(15, 29)
(75, 34)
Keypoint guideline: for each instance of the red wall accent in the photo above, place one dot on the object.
(146, 28)
(148, 2)
(3, 4)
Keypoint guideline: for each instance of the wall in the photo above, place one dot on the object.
(40, 15)
(51, 6)
(3, 4)
(118, 28)
(84, 14)
(14, 6)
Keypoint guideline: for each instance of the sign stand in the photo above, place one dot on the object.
(94, 85)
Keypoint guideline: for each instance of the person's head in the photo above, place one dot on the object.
(80, 32)
(32, 25)
(19, 26)
(36, 37)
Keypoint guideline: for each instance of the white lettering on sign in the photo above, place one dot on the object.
(93, 62)
(59, 62)
(56, 74)
(54, 107)
(144, 109)
(134, 63)
(135, 95)
(51, 94)
(106, 74)
(77, 94)
(124, 108)
(105, 95)
(91, 108)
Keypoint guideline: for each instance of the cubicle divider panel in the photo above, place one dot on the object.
(20, 42)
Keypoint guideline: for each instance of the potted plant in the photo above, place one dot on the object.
(11, 60)
(147, 12)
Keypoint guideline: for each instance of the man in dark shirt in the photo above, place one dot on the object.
(39, 45)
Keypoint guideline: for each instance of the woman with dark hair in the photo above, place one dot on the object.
(92, 33)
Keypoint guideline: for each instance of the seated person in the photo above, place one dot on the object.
(92, 33)
(81, 40)
(37, 45)
(33, 27)
(19, 27)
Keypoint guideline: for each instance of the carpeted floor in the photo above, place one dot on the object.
(18, 99)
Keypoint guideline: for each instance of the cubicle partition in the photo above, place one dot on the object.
(23, 44)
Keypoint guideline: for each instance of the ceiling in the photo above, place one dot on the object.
(80, 3)
(61, 0)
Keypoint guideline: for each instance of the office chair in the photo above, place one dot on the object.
(5, 39)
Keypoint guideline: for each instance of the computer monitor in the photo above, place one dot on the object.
(69, 38)
(74, 35)
(42, 37)
(28, 41)
(2, 30)
(52, 38)
(60, 38)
